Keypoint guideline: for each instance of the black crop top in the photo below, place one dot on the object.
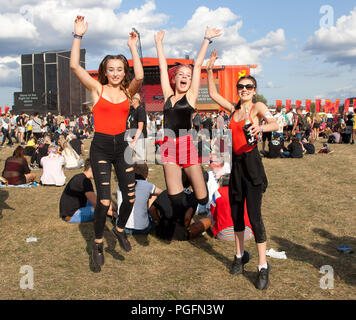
(178, 116)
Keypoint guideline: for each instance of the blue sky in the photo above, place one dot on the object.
(297, 58)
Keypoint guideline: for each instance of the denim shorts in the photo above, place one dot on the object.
(84, 214)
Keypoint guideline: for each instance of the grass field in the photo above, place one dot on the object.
(309, 209)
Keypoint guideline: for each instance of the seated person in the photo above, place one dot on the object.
(180, 228)
(139, 221)
(30, 149)
(308, 146)
(78, 199)
(16, 170)
(52, 165)
(41, 151)
(77, 144)
(275, 147)
(72, 159)
(220, 214)
(294, 149)
(325, 149)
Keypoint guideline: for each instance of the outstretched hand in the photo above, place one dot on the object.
(133, 39)
(80, 27)
(212, 59)
(159, 36)
(212, 32)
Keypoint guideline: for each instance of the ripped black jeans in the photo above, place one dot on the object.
(107, 150)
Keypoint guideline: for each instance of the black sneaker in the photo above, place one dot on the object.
(98, 254)
(122, 238)
(237, 266)
(262, 280)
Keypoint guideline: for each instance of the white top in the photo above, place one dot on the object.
(281, 121)
(53, 170)
(71, 158)
(139, 215)
(290, 117)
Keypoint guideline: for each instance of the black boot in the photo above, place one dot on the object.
(262, 280)
(237, 266)
(98, 254)
(122, 238)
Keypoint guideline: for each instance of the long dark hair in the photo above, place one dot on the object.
(254, 100)
(124, 85)
(19, 152)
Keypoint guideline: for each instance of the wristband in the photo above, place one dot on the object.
(207, 38)
(77, 36)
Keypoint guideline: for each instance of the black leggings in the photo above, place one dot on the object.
(106, 150)
(253, 196)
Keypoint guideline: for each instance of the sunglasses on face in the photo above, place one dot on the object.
(248, 87)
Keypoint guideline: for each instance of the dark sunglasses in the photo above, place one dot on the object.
(248, 87)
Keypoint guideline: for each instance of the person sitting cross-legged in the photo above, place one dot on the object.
(78, 199)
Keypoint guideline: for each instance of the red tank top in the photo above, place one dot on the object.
(110, 118)
(239, 143)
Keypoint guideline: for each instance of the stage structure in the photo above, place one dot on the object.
(48, 84)
(225, 78)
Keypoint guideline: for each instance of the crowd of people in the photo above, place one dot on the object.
(119, 127)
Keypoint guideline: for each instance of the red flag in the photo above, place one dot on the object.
(354, 103)
(298, 104)
(337, 105)
(0, 110)
(317, 105)
(7, 109)
(307, 105)
(327, 105)
(346, 105)
(278, 103)
(288, 104)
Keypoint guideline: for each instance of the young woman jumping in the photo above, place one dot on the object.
(111, 96)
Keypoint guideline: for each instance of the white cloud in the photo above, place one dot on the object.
(338, 43)
(10, 71)
(32, 26)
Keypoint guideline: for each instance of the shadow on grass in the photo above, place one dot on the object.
(4, 195)
(344, 265)
(87, 231)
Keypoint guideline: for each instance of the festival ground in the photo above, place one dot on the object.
(308, 210)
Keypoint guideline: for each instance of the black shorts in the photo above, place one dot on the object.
(266, 136)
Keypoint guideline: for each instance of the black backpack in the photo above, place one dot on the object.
(302, 123)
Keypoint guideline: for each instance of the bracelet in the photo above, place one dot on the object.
(207, 38)
(261, 129)
(77, 36)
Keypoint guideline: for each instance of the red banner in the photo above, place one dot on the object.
(307, 105)
(298, 104)
(346, 105)
(0, 111)
(337, 105)
(278, 103)
(7, 109)
(317, 105)
(288, 104)
(354, 104)
(327, 105)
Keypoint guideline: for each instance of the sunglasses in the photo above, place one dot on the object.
(248, 87)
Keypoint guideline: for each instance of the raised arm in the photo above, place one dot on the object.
(137, 65)
(163, 67)
(79, 30)
(213, 93)
(194, 89)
